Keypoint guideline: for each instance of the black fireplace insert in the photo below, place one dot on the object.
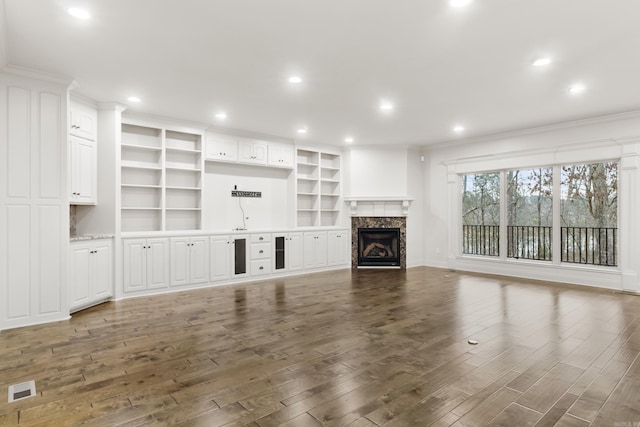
(378, 247)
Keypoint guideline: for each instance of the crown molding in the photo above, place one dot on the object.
(40, 75)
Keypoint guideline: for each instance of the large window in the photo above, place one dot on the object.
(481, 214)
(529, 213)
(586, 203)
(589, 213)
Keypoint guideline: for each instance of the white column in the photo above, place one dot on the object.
(628, 196)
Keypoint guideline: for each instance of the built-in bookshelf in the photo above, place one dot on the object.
(161, 179)
(317, 188)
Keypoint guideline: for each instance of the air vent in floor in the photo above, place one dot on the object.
(22, 391)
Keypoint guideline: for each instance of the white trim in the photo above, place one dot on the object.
(383, 206)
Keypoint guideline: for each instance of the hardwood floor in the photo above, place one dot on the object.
(363, 348)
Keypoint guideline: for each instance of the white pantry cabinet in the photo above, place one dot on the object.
(315, 249)
(146, 264)
(189, 260)
(91, 272)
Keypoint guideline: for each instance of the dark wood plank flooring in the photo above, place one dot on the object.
(363, 348)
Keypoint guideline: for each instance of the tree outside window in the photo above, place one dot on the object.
(481, 214)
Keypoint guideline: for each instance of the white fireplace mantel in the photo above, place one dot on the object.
(384, 206)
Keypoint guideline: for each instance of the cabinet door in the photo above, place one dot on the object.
(295, 250)
(157, 263)
(199, 255)
(134, 265)
(180, 263)
(245, 151)
(251, 151)
(86, 175)
(80, 275)
(102, 271)
(219, 259)
(321, 249)
(309, 250)
(221, 147)
(260, 153)
(83, 121)
(332, 248)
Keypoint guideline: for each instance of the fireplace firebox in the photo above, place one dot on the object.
(378, 247)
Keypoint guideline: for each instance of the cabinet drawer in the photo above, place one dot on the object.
(260, 250)
(259, 238)
(261, 266)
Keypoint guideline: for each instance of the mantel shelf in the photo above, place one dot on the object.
(379, 205)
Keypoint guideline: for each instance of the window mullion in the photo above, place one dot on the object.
(555, 227)
(503, 215)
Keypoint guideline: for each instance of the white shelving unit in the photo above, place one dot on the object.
(317, 188)
(161, 179)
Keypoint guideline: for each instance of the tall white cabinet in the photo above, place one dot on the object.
(83, 166)
(34, 202)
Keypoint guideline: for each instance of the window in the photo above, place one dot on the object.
(481, 214)
(529, 213)
(589, 213)
(585, 201)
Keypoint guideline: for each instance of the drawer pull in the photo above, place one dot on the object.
(261, 251)
(261, 238)
(261, 268)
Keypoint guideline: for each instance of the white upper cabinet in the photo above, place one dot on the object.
(252, 151)
(83, 121)
(83, 171)
(221, 147)
(281, 155)
(83, 167)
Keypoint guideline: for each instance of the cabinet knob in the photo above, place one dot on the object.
(261, 251)
(261, 268)
(261, 238)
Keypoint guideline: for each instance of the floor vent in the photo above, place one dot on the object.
(22, 391)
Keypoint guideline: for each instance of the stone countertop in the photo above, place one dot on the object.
(91, 237)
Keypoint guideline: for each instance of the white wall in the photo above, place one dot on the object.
(615, 137)
(377, 171)
(221, 212)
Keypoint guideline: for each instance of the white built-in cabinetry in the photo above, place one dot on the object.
(219, 258)
(189, 260)
(288, 252)
(90, 273)
(315, 249)
(260, 254)
(82, 154)
(145, 264)
(252, 151)
(152, 264)
(161, 179)
(318, 188)
(338, 249)
(235, 149)
(221, 147)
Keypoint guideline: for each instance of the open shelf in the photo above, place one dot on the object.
(317, 188)
(161, 179)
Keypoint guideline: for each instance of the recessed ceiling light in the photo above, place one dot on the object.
(577, 88)
(348, 140)
(134, 99)
(79, 13)
(459, 3)
(295, 79)
(302, 130)
(221, 116)
(386, 107)
(458, 128)
(541, 62)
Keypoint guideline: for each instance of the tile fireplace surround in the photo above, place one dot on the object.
(378, 222)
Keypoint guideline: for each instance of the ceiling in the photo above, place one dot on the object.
(439, 66)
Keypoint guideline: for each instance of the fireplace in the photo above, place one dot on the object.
(378, 247)
(378, 242)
